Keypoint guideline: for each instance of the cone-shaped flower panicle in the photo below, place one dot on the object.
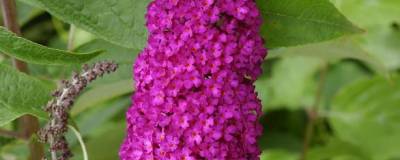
(195, 97)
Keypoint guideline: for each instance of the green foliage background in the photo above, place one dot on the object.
(337, 59)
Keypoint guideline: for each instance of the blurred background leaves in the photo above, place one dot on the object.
(361, 69)
(358, 106)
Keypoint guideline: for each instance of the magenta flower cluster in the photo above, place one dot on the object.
(195, 97)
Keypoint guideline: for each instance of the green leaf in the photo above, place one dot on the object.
(20, 94)
(339, 75)
(32, 52)
(280, 140)
(367, 115)
(123, 56)
(369, 13)
(83, 37)
(116, 53)
(26, 13)
(16, 150)
(296, 22)
(101, 94)
(285, 132)
(278, 155)
(383, 43)
(2, 58)
(104, 144)
(95, 118)
(332, 51)
(4, 141)
(336, 149)
(377, 17)
(121, 22)
(291, 85)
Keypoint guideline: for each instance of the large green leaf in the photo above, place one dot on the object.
(32, 52)
(296, 22)
(367, 114)
(20, 94)
(119, 21)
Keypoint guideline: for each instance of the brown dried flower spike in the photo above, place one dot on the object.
(58, 107)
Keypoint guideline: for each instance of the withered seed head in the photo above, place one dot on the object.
(64, 97)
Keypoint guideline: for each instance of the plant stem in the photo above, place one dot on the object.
(312, 113)
(28, 124)
(79, 137)
(71, 37)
